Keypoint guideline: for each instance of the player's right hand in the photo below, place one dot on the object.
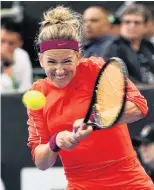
(66, 141)
(81, 132)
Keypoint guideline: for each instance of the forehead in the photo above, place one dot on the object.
(60, 53)
(9, 35)
(93, 13)
(133, 17)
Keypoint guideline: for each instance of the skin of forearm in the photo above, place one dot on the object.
(131, 114)
(44, 157)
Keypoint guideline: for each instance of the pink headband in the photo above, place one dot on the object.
(59, 44)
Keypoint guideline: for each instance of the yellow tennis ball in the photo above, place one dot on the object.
(34, 100)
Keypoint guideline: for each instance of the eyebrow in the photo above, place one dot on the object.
(67, 58)
(48, 57)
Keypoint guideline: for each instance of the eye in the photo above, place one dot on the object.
(11, 43)
(51, 61)
(68, 61)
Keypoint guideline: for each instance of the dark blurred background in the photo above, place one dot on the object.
(32, 14)
(15, 153)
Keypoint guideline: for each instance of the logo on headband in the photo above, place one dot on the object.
(62, 44)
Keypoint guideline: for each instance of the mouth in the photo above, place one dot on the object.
(60, 77)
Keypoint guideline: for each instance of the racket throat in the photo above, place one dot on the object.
(95, 126)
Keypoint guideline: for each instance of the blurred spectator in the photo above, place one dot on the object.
(96, 27)
(16, 69)
(137, 53)
(1, 185)
(145, 144)
(150, 28)
(115, 26)
(115, 30)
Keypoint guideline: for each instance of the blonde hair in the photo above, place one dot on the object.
(137, 9)
(60, 23)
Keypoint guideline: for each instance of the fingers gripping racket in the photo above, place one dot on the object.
(109, 95)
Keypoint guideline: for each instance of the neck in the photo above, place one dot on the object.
(135, 44)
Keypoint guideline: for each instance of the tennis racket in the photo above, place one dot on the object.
(109, 95)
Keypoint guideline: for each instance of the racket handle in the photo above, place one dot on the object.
(81, 127)
(95, 126)
(74, 133)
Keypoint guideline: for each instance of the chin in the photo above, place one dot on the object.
(88, 37)
(60, 85)
(132, 37)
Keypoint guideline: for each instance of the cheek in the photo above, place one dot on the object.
(48, 70)
(12, 48)
(152, 148)
(142, 149)
(73, 70)
(143, 31)
(139, 29)
(97, 28)
(123, 29)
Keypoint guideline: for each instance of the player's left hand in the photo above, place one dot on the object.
(81, 130)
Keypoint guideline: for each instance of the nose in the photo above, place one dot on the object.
(59, 70)
(5, 47)
(87, 24)
(132, 25)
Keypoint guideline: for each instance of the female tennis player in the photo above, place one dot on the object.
(92, 160)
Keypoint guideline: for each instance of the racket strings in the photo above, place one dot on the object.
(114, 82)
(109, 95)
(104, 90)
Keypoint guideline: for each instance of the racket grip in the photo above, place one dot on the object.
(74, 134)
(81, 127)
(95, 126)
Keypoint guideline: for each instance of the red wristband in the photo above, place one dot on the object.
(53, 145)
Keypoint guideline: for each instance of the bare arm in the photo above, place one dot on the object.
(136, 105)
(131, 114)
(44, 156)
(135, 108)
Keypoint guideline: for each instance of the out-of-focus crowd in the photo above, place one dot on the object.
(130, 37)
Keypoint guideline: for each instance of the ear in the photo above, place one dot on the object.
(40, 56)
(78, 57)
(20, 44)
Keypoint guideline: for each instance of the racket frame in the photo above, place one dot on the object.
(93, 102)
